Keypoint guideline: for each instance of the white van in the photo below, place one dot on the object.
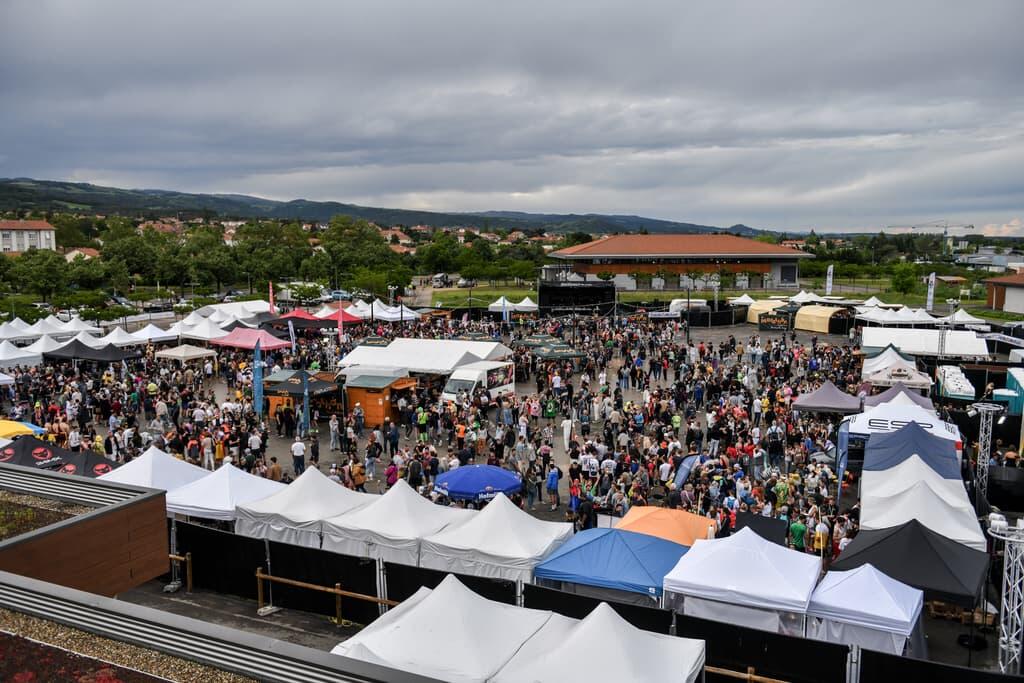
(498, 377)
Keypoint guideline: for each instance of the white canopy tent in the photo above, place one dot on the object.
(217, 496)
(605, 647)
(43, 327)
(236, 309)
(203, 331)
(887, 357)
(76, 324)
(11, 355)
(744, 579)
(186, 352)
(295, 514)
(742, 300)
(15, 329)
(6, 380)
(914, 490)
(359, 308)
(193, 318)
(501, 542)
(152, 333)
(88, 339)
(501, 305)
(325, 311)
(875, 301)
(962, 317)
(118, 337)
(865, 607)
(427, 356)
(44, 344)
(922, 342)
(452, 634)
(156, 469)
(804, 297)
(899, 372)
(391, 527)
(889, 417)
(527, 305)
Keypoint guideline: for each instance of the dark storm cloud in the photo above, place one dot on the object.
(778, 115)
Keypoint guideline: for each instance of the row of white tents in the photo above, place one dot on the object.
(378, 310)
(501, 541)
(504, 305)
(452, 634)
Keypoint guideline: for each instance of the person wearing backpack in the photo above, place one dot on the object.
(552, 485)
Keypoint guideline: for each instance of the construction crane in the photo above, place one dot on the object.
(933, 225)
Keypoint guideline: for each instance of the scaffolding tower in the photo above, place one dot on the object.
(987, 411)
(1011, 608)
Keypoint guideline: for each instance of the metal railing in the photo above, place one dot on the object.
(337, 591)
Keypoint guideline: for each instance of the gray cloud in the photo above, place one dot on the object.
(795, 115)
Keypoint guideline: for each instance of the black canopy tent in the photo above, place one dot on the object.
(29, 451)
(768, 528)
(293, 385)
(76, 350)
(299, 323)
(914, 554)
(827, 398)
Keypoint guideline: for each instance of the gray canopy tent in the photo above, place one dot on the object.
(894, 391)
(827, 399)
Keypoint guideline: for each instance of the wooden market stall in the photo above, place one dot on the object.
(378, 395)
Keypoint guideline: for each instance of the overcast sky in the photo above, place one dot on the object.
(788, 115)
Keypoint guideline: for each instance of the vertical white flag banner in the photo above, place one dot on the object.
(828, 279)
(929, 304)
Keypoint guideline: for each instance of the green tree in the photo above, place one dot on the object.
(41, 271)
(86, 273)
(904, 278)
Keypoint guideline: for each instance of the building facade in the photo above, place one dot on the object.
(685, 260)
(22, 235)
(1006, 293)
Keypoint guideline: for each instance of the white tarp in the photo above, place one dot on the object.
(295, 515)
(118, 337)
(152, 333)
(391, 527)
(889, 417)
(922, 342)
(203, 331)
(11, 355)
(186, 352)
(156, 469)
(452, 634)
(501, 542)
(217, 496)
(428, 356)
(914, 490)
(746, 570)
(606, 647)
(864, 607)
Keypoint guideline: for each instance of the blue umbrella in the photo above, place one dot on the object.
(477, 482)
(685, 467)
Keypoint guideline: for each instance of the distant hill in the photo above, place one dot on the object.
(51, 195)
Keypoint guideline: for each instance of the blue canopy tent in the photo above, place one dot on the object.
(685, 467)
(611, 564)
(477, 482)
(885, 451)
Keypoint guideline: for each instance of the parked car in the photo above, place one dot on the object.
(463, 282)
(341, 295)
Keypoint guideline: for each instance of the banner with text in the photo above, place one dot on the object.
(931, 293)
(828, 279)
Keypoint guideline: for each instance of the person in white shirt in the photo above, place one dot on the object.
(566, 432)
(664, 471)
(298, 456)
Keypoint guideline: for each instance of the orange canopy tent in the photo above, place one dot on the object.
(678, 526)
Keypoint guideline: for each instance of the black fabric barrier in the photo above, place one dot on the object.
(222, 561)
(579, 606)
(771, 654)
(404, 580)
(324, 568)
(877, 666)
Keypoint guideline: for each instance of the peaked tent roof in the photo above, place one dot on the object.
(742, 300)
(917, 556)
(44, 344)
(962, 317)
(889, 418)
(204, 330)
(605, 647)
(29, 451)
(76, 324)
(884, 451)
(827, 398)
(721, 569)
(88, 339)
(899, 389)
(217, 496)
(156, 469)
(152, 333)
(311, 497)
(43, 326)
(76, 350)
(292, 385)
(613, 558)
(866, 597)
(186, 352)
(245, 338)
(118, 337)
(11, 355)
(452, 634)
(501, 541)
(678, 526)
(501, 304)
(15, 329)
(527, 305)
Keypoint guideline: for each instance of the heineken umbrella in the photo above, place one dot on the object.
(477, 482)
(294, 385)
(29, 451)
(86, 464)
(375, 341)
(474, 335)
(538, 340)
(561, 353)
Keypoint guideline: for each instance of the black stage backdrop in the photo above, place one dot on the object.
(323, 568)
(579, 606)
(771, 654)
(877, 666)
(222, 561)
(404, 580)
